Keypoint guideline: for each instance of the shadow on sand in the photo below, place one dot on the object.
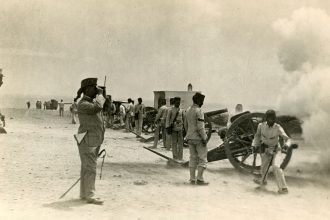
(66, 205)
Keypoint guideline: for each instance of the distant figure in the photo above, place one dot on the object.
(174, 123)
(2, 124)
(238, 108)
(190, 88)
(74, 111)
(129, 115)
(61, 104)
(28, 104)
(197, 140)
(267, 139)
(122, 113)
(139, 114)
(1, 76)
(110, 114)
(45, 105)
(160, 122)
(38, 104)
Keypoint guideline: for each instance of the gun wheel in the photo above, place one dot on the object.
(238, 143)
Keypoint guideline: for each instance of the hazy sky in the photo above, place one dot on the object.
(227, 49)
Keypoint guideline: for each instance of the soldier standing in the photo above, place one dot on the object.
(267, 137)
(122, 114)
(139, 114)
(91, 121)
(196, 139)
(129, 115)
(61, 104)
(174, 122)
(111, 112)
(160, 122)
(168, 137)
(74, 109)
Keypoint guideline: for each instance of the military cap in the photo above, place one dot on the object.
(171, 101)
(177, 99)
(198, 97)
(88, 82)
(270, 113)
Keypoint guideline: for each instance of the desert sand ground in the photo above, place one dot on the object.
(39, 161)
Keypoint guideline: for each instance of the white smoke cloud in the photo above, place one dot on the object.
(304, 52)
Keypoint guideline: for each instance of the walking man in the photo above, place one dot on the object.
(160, 122)
(91, 121)
(267, 139)
(174, 123)
(196, 139)
(139, 114)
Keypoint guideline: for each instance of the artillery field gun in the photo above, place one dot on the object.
(237, 139)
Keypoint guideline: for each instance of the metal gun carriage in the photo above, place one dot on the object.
(236, 137)
(237, 141)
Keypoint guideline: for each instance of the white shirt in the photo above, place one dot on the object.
(270, 135)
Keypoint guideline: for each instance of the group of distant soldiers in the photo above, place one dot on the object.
(171, 123)
(130, 117)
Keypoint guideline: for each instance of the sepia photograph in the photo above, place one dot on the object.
(164, 109)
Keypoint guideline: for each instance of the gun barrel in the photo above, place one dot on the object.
(216, 112)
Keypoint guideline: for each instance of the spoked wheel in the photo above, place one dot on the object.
(238, 143)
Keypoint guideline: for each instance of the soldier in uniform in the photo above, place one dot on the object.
(160, 122)
(110, 112)
(74, 109)
(197, 140)
(61, 104)
(129, 115)
(122, 114)
(174, 121)
(168, 137)
(267, 137)
(91, 121)
(139, 114)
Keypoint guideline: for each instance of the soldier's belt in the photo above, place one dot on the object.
(263, 147)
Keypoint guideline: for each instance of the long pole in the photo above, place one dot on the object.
(70, 188)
